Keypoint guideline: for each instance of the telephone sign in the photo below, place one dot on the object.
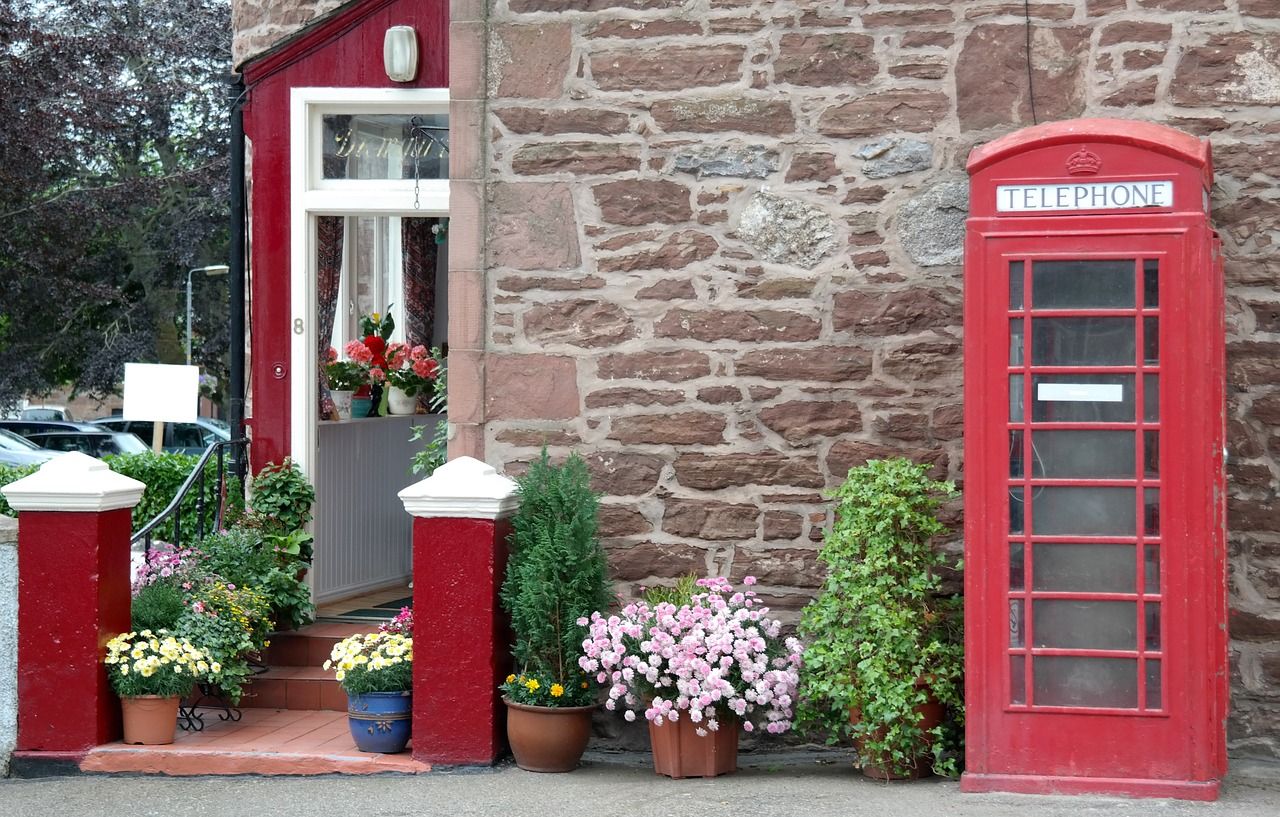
(1095, 588)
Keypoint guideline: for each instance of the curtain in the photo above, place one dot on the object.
(329, 231)
(420, 251)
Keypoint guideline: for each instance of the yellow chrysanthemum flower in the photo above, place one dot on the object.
(510, 678)
(532, 685)
(556, 690)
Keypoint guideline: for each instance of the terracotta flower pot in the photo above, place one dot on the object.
(548, 738)
(931, 714)
(679, 751)
(150, 719)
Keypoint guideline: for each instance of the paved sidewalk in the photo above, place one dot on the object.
(596, 790)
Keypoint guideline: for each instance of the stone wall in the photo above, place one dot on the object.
(724, 243)
(722, 249)
(8, 639)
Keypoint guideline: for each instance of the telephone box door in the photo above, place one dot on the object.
(1087, 442)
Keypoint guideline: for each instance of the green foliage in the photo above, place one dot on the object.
(157, 606)
(280, 506)
(246, 557)
(878, 625)
(556, 574)
(678, 595)
(229, 624)
(163, 474)
(534, 690)
(434, 454)
(13, 473)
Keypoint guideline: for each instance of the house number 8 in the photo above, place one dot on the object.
(297, 326)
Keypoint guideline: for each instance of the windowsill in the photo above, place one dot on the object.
(358, 420)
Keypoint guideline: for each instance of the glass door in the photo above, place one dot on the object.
(1085, 632)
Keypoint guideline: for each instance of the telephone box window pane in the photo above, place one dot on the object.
(385, 146)
(1151, 341)
(1151, 283)
(1155, 696)
(1018, 679)
(1068, 680)
(1015, 398)
(1015, 510)
(1015, 454)
(1015, 342)
(1082, 285)
(1016, 566)
(1082, 341)
(1151, 453)
(1084, 568)
(1151, 511)
(1153, 625)
(1083, 454)
(1016, 626)
(1151, 398)
(1015, 285)
(1086, 625)
(1151, 569)
(1083, 398)
(1071, 511)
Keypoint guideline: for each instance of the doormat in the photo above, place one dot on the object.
(380, 612)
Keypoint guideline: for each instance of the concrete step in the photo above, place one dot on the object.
(309, 688)
(309, 646)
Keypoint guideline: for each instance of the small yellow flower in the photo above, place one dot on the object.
(556, 690)
(532, 685)
(510, 678)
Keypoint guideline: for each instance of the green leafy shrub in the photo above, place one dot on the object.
(879, 624)
(556, 576)
(13, 473)
(163, 474)
(157, 606)
(677, 595)
(230, 623)
(247, 557)
(435, 452)
(280, 506)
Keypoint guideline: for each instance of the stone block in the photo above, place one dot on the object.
(991, 75)
(742, 161)
(907, 109)
(673, 365)
(634, 202)
(531, 387)
(666, 69)
(532, 226)
(768, 116)
(838, 59)
(803, 422)
(528, 61)
(683, 428)
(709, 519)
(711, 472)
(787, 231)
(711, 325)
(586, 323)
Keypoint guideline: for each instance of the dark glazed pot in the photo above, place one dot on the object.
(679, 751)
(380, 722)
(548, 738)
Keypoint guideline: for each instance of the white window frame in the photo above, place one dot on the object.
(311, 196)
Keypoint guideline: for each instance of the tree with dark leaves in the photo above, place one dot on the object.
(113, 183)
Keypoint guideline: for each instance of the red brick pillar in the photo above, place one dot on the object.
(74, 522)
(461, 639)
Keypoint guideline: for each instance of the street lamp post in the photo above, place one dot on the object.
(215, 269)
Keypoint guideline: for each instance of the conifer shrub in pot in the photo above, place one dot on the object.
(556, 576)
(884, 656)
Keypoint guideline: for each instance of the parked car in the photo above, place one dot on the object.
(45, 413)
(25, 428)
(183, 438)
(96, 443)
(15, 450)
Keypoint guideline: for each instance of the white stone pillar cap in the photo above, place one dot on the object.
(73, 482)
(464, 488)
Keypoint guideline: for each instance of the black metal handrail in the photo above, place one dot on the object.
(197, 480)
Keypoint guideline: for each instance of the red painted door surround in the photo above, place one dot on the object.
(344, 51)
(1095, 587)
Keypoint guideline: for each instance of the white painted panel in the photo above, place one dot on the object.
(1080, 392)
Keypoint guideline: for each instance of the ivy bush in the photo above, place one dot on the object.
(556, 576)
(880, 624)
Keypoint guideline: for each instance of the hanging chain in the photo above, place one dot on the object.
(416, 129)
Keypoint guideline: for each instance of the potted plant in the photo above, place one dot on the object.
(697, 671)
(409, 372)
(344, 377)
(377, 330)
(151, 670)
(884, 656)
(376, 672)
(556, 575)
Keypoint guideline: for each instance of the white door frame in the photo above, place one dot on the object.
(312, 196)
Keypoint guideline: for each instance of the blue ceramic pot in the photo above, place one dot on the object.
(380, 721)
(360, 407)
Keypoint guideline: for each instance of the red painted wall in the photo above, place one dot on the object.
(344, 52)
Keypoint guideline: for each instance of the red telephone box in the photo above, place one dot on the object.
(1095, 582)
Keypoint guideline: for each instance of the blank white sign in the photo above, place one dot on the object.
(157, 391)
(1080, 392)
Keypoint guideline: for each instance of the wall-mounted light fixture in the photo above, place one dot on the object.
(400, 53)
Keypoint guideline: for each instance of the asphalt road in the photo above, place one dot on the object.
(596, 790)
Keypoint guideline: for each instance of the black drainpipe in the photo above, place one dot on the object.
(235, 405)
